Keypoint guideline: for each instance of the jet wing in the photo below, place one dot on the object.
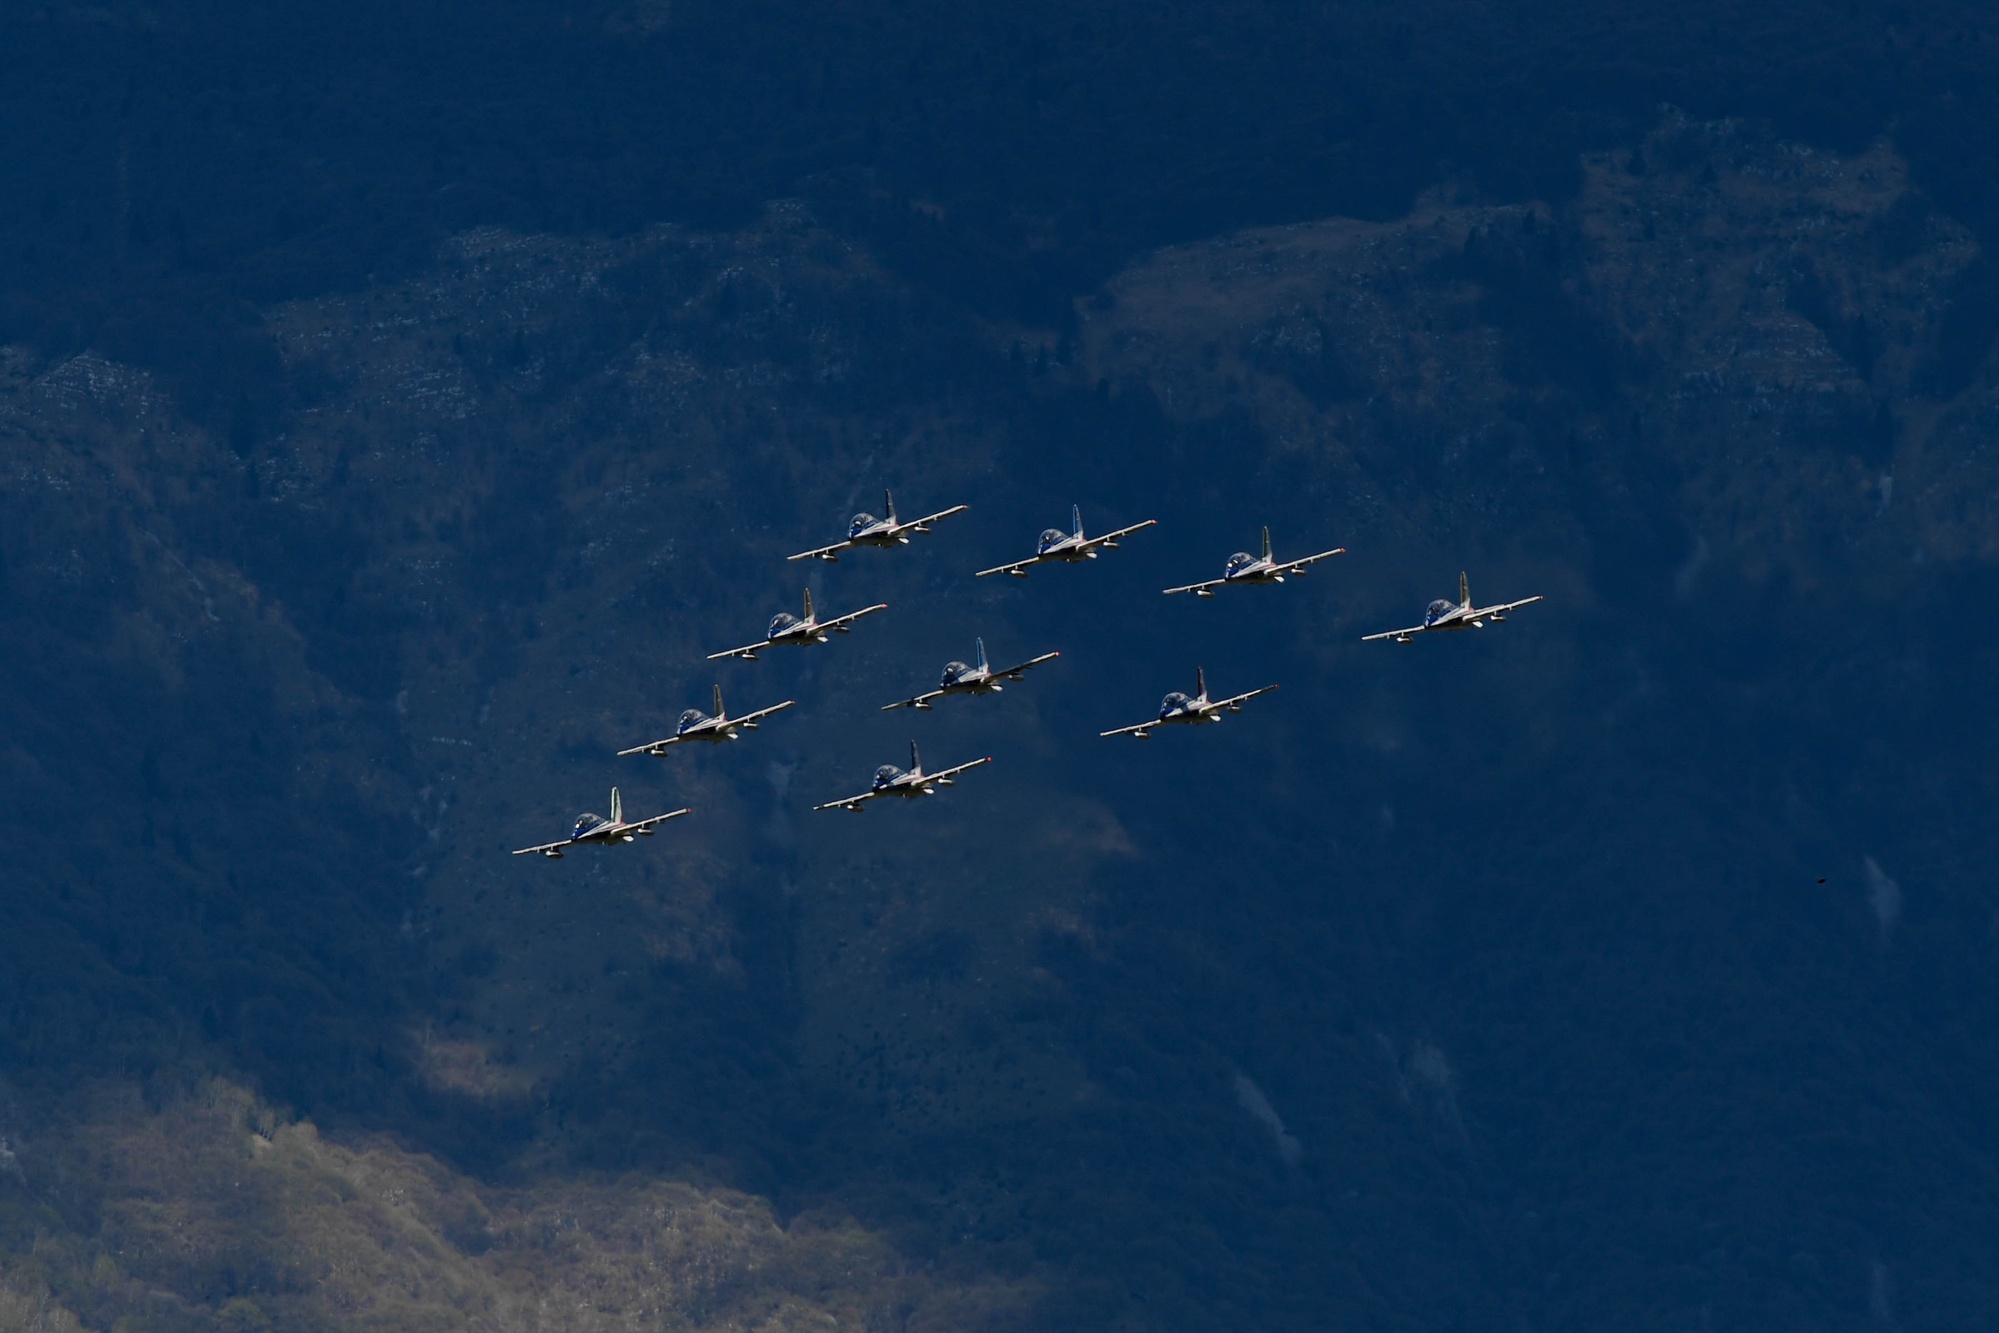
(1299, 566)
(840, 623)
(652, 747)
(1402, 634)
(1110, 538)
(827, 553)
(1140, 729)
(1235, 704)
(646, 825)
(923, 524)
(547, 848)
(751, 719)
(920, 701)
(1502, 608)
(1018, 568)
(1016, 672)
(854, 803)
(748, 652)
(1197, 588)
(947, 776)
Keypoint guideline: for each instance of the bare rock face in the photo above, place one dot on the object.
(304, 666)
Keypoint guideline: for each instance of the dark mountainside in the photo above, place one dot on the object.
(397, 408)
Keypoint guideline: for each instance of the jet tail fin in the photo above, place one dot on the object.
(915, 760)
(888, 503)
(617, 807)
(718, 701)
(808, 603)
(1076, 518)
(1464, 588)
(982, 653)
(1201, 683)
(1266, 542)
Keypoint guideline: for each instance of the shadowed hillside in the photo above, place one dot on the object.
(1624, 964)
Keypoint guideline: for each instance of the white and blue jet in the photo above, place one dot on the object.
(867, 530)
(977, 678)
(1242, 567)
(1177, 709)
(787, 628)
(1068, 547)
(1446, 614)
(595, 830)
(695, 725)
(911, 781)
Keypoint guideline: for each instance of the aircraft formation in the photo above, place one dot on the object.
(979, 678)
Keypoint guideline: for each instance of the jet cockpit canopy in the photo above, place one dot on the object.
(1438, 609)
(1049, 540)
(1175, 702)
(955, 671)
(1239, 561)
(779, 623)
(886, 774)
(860, 523)
(584, 823)
(690, 717)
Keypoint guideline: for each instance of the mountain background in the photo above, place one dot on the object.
(397, 407)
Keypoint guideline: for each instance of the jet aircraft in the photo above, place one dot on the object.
(911, 781)
(1461, 614)
(867, 530)
(597, 829)
(787, 628)
(1070, 547)
(962, 679)
(1242, 567)
(1177, 708)
(695, 725)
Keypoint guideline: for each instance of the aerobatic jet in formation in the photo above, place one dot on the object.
(595, 829)
(977, 679)
(1070, 547)
(1177, 708)
(1461, 614)
(867, 530)
(787, 628)
(911, 781)
(1242, 567)
(695, 725)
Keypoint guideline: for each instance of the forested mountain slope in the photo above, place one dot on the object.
(1628, 963)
